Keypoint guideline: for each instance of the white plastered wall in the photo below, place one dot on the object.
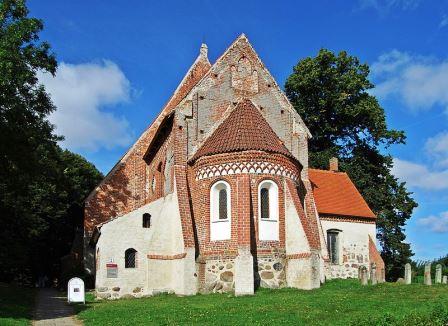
(164, 237)
(299, 271)
(353, 247)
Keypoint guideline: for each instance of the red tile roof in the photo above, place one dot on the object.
(244, 129)
(335, 194)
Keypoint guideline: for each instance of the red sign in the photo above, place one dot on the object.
(111, 265)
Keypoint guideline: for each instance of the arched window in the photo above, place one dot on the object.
(130, 258)
(146, 220)
(333, 245)
(220, 211)
(268, 210)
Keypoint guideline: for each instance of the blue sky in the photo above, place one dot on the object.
(121, 60)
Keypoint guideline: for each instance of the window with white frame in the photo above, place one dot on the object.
(268, 211)
(220, 219)
(333, 245)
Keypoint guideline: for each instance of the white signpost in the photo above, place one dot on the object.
(75, 291)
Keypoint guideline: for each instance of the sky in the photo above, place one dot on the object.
(119, 62)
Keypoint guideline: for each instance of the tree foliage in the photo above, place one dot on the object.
(331, 93)
(41, 185)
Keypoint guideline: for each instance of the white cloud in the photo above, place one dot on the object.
(81, 93)
(419, 176)
(444, 21)
(437, 147)
(420, 82)
(437, 224)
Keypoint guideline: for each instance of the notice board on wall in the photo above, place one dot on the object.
(112, 270)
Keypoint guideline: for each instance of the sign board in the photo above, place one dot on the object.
(112, 270)
(75, 290)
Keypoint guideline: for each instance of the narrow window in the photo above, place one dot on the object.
(146, 220)
(130, 258)
(268, 211)
(264, 197)
(220, 211)
(153, 184)
(223, 204)
(333, 246)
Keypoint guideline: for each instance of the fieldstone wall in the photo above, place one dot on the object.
(271, 272)
(354, 256)
(219, 276)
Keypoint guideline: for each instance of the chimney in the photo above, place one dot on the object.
(334, 164)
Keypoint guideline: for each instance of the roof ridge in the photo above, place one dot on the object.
(202, 57)
(328, 171)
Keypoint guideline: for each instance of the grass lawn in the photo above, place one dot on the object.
(338, 302)
(16, 305)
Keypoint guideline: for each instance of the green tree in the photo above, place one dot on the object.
(41, 186)
(330, 92)
(27, 140)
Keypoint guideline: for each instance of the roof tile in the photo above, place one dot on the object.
(244, 129)
(336, 194)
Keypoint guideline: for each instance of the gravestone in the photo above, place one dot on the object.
(407, 273)
(445, 279)
(75, 290)
(428, 280)
(438, 274)
(364, 276)
(373, 278)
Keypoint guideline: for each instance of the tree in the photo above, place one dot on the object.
(41, 186)
(330, 92)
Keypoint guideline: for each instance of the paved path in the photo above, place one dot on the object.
(52, 309)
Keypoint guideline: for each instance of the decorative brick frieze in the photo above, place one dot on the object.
(259, 167)
(349, 219)
(300, 255)
(167, 257)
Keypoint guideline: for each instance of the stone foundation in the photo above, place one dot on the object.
(116, 293)
(271, 272)
(354, 256)
(219, 276)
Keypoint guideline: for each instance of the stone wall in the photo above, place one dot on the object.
(271, 272)
(354, 245)
(219, 276)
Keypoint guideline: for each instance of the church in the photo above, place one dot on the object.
(216, 195)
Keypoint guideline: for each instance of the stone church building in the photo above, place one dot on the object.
(216, 195)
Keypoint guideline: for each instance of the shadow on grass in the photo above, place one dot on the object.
(16, 304)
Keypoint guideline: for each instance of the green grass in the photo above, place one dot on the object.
(336, 303)
(16, 305)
